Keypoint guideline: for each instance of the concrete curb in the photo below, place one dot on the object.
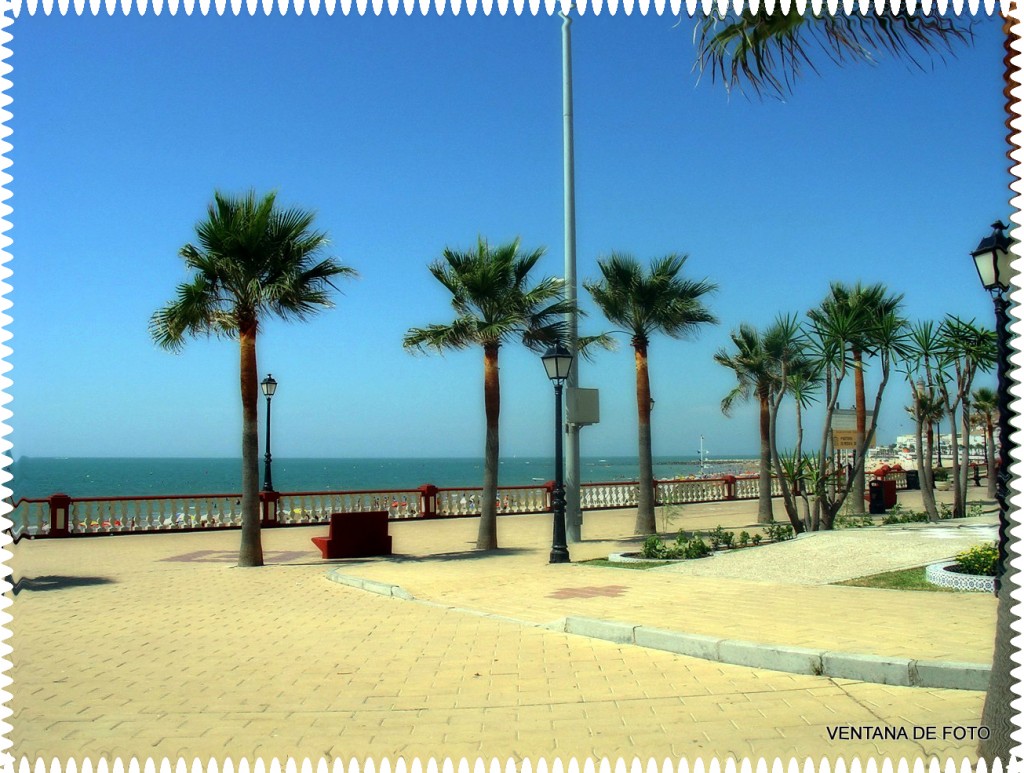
(380, 588)
(904, 672)
(774, 657)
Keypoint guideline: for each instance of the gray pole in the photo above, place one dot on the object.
(573, 514)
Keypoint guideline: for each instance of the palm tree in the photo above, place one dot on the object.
(867, 305)
(759, 364)
(924, 409)
(801, 377)
(493, 303)
(252, 260)
(986, 408)
(768, 50)
(964, 350)
(644, 303)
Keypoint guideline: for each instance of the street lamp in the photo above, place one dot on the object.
(269, 386)
(992, 258)
(558, 362)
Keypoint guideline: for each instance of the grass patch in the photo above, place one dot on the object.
(903, 579)
(617, 565)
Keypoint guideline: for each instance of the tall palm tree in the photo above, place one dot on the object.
(986, 408)
(252, 260)
(767, 51)
(643, 303)
(493, 304)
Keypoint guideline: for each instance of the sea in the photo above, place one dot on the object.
(35, 477)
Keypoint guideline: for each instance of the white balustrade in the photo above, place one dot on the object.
(118, 515)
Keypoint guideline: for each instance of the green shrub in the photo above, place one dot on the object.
(981, 559)
(891, 518)
(744, 539)
(653, 547)
(720, 538)
(940, 473)
(756, 539)
(777, 532)
(696, 548)
(682, 547)
(974, 510)
(945, 511)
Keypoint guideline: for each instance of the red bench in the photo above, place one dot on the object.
(356, 535)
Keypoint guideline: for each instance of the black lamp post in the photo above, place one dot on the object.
(269, 386)
(992, 258)
(558, 362)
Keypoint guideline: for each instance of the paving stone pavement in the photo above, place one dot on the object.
(156, 645)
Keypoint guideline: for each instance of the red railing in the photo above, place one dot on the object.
(60, 515)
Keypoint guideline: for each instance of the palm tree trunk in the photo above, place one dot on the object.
(924, 470)
(954, 454)
(487, 538)
(990, 461)
(789, 492)
(250, 552)
(997, 714)
(857, 503)
(645, 523)
(764, 483)
(965, 468)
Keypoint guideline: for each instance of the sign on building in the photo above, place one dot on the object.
(844, 429)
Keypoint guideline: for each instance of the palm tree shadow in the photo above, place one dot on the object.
(471, 554)
(401, 558)
(56, 582)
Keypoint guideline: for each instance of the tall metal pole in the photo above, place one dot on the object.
(1003, 393)
(268, 484)
(573, 514)
(559, 551)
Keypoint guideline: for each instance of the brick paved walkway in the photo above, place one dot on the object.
(157, 645)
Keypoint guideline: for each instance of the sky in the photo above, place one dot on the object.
(409, 135)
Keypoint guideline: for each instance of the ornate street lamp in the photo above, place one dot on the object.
(992, 258)
(558, 362)
(269, 386)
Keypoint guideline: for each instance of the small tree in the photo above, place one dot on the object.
(836, 333)
(763, 363)
(964, 350)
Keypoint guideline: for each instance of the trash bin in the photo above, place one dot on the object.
(876, 497)
(888, 493)
(913, 480)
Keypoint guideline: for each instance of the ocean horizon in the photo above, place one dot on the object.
(37, 477)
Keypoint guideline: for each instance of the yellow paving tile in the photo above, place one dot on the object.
(200, 659)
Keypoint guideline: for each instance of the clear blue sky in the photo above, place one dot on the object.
(410, 134)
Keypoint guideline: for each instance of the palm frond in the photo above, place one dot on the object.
(768, 51)
(250, 259)
(490, 287)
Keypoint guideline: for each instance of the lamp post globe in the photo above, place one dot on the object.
(557, 363)
(269, 386)
(992, 258)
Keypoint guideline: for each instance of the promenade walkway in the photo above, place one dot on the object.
(156, 645)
